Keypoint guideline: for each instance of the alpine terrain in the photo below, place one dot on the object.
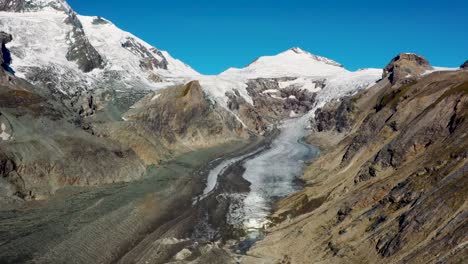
(113, 151)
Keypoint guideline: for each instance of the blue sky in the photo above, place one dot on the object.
(212, 36)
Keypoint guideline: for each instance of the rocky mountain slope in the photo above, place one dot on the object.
(391, 185)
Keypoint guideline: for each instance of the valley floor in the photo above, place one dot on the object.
(126, 222)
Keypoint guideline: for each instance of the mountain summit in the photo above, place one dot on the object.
(292, 62)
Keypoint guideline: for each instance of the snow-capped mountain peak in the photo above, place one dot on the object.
(298, 50)
(293, 62)
(87, 52)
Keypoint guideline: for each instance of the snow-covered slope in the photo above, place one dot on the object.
(124, 51)
(86, 52)
(294, 62)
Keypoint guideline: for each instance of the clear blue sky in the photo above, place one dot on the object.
(212, 35)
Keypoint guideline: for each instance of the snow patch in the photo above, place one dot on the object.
(268, 91)
(4, 135)
(437, 69)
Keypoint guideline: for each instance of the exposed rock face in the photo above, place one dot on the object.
(250, 114)
(405, 66)
(336, 115)
(80, 50)
(150, 59)
(395, 183)
(274, 102)
(464, 65)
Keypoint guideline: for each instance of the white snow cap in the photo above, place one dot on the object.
(293, 62)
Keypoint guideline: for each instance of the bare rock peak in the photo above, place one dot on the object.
(406, 66)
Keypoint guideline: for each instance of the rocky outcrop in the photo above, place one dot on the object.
(250, 115)
(405, 66)
(150, 58)
(336, 115)
(80, 50)
(464, 65)
(274, 102)
(395, 181)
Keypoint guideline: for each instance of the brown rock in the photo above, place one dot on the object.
(405, 66)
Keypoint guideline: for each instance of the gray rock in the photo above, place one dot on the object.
(336, 115)
(80, 49)
(150, 58)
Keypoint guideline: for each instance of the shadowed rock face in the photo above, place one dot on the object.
(405, 66)
(464, 65)
(5, 56)
(80, 49)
